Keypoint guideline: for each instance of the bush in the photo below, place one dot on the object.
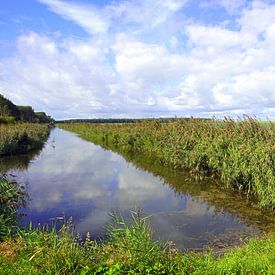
(7, 119)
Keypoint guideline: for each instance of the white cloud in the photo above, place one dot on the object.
(218, 38)
(258, 17)
(201, 69)
(149, 13)
(87, 16)
(71, 75)
(99, 20)
(146, 188)
(141, 66)
(258, 87)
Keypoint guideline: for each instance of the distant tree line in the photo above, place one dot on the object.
(100, 120)
(126, 120)
(10, 112)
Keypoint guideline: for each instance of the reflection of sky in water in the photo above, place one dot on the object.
(78, 179)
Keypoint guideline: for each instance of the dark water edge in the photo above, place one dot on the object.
(73, 177)
(207, 190)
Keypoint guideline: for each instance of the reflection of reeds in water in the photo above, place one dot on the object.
(18, 162)
(241, 153)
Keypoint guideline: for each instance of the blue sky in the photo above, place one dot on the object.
(139, 58)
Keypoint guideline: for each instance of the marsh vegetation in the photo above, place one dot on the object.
(241, 153)
(22, 137)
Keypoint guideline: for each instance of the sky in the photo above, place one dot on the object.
(139, 58)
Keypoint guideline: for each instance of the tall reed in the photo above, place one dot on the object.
(12, 197)
(22, 137)
(241, 153)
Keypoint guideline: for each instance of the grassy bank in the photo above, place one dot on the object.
(12, 197)
(241, 153)
(22, 137)
(129, 248)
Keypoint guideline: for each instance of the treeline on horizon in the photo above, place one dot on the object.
(10, 113)
(124, 120)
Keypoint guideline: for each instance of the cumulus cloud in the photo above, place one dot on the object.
(54, 73)
(138, 62)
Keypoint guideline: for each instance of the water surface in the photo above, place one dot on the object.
(73, 177)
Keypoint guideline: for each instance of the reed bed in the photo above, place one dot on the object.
(22, 137)
(241, 153)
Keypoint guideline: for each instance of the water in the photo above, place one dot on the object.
(73, 177)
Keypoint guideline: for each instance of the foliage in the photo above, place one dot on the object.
(10, 111)
(129, 250)
(42, 117)
(7, 119)
(12, 197)
(7, 108)
(241, 153)
(26, 113)
(22, 137)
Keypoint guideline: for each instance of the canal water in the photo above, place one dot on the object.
(71, 177)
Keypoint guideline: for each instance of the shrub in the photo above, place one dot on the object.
(7, 119)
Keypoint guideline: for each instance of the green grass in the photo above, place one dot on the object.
(7, 120)
(128, 249)
(12, 197)
(22, 137)
(241, 153)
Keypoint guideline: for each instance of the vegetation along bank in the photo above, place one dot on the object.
(21, 129)
(22, 137)
(241, 153)
(129, 249)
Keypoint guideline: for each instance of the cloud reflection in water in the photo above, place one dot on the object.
(79, 179)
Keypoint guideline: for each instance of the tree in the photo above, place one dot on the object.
(7, 108)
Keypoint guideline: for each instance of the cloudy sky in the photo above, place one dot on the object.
(139, 58)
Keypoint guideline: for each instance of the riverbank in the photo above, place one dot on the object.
(21, 138)
(129, 249)
(240, 153)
